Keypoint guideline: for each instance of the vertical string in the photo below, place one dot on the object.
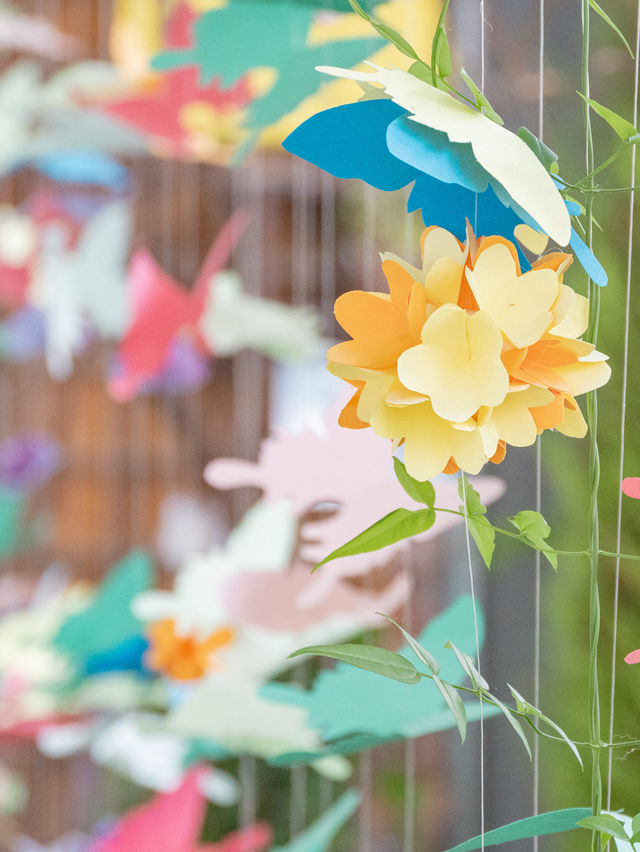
(537, 592)
(477, 640)
(623, 415)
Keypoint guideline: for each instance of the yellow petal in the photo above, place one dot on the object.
(512, 419)
(438, 243)
(585, 375)
(443, 281)
(458, 364)
(570, 314)
(535, 241)
(573, 424)
(518, 304)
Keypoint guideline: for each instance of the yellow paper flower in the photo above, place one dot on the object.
(466, 354)
(183, 657)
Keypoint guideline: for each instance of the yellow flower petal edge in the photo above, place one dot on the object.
(466, 355)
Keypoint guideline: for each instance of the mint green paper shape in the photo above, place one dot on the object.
(108, 621)
(249, 34)
(359, 709)
(12, 521)
(552, 822)
(321, 833)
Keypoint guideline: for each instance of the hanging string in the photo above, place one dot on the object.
(623, 416)
(537, 593)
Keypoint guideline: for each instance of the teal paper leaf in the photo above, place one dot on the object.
(481, 530)
(107, 621)
(421, 492)
(397, 525)
(380, 661)
(12, 521)
(552, 822)
(354, 709)
(319, 836)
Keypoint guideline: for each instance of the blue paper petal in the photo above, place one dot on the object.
(588, 260)
(350, 141)
(91, 167)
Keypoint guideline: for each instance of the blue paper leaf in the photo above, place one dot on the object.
(587, 259)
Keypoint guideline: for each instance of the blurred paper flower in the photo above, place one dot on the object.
(467, 354)
(183, 657)
(73, 841)
(631, 487)
(27, 462)
(13, 791)
(633, 657)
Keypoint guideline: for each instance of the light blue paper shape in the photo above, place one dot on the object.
(85, 167)
(552, 822)
(247, 34)
(107, 630)
(319, 835)
(377, 143)
(359, 709)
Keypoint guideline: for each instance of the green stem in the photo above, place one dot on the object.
(594, 466)
(436, 42)
(588, 179)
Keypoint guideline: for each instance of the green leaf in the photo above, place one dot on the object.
(428, 659)
(481, 530)
(535, 530)
(386, 32)
(624, 129)
(443, 54)
(469, 667)
(421, 492)
(635, 826)
(368, 657)
(529, 709)
(421, 70)
(605, 824)
(607, 20)
(455, 704)
(546, 156)
(397, 525)
(552, 822)
(514, 722)
(481, 100)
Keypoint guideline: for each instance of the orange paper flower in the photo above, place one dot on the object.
(183, 657)
(467, 354)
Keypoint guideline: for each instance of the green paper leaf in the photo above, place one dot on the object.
(481, 100)
(605, 824)
(552, 822)
(529, 709)
(534, 529)
(368, 657)
(421, 492)
(421, 653)
(319, 836)
(469, 667)
(454, 703)
(443, 54)
(421, 70)
(397, 525)
(481, 530)
(624, 129)
(386, 32)
(546, 156)
(607, 20)
(514, 722)
(635, 826)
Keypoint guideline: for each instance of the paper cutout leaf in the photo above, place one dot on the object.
(368, 657)
(552, 822)
(421, 653)
(395, 526)
(534, 529)
(481, 530)
(606, 825)
(623, 128)
(597, 8)
(319, 836)
(421, 492)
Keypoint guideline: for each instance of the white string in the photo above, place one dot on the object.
(477, 638)
(623, 414)
(536, 629)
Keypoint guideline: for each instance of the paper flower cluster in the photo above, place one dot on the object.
(467, 354)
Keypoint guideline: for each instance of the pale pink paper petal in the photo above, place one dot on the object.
(631, 487)
(285, 601)
(633, 657)
(35, 35)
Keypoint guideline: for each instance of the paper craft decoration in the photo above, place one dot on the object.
(552, 822)
(352, 709)
(106, 636)
(84, 167)
(215, 315)
(18, 246)
(524, 363)
(462, 164)
(349, 473)
(319, 836)
(28, 461)
(272, 35)
(172, 822)
(73, 841)
(631, 487)
(31, 34)
(84, 288)
(180, 116)
(22, 335)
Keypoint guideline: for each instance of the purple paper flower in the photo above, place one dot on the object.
(28, 461)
